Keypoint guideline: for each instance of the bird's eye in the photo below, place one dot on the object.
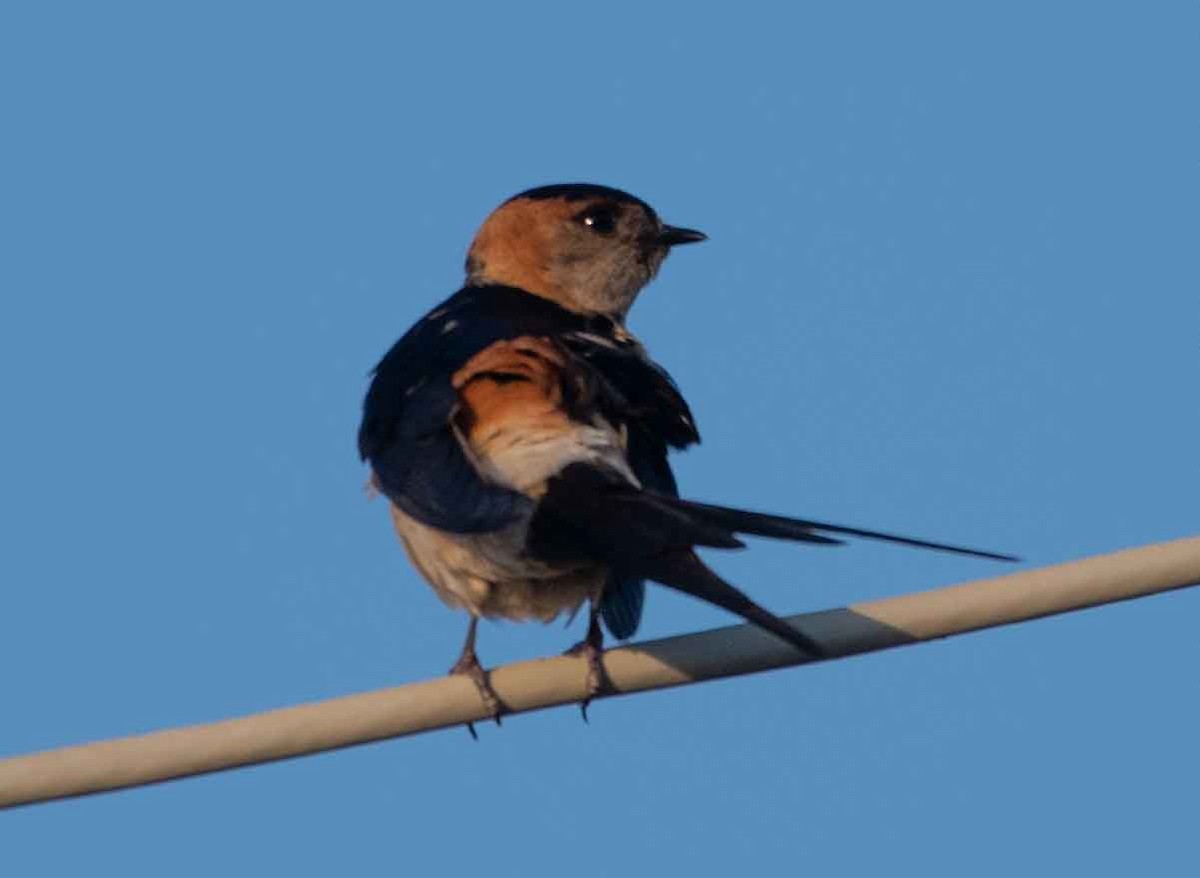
(600, 218)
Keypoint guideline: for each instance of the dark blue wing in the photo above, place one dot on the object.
(418, 461)
(406, 435)
(624, 596)
(644, 398)
(641, 394)
(664, 421)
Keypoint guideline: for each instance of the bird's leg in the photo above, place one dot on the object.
(468, 665)
(591, 648)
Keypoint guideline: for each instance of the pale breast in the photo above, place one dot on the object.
(488, 574)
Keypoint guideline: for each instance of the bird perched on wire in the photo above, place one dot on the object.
(521, 433)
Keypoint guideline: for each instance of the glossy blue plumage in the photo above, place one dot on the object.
(418, 461)
(621, 605)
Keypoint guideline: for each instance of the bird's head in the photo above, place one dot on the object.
(589, 248)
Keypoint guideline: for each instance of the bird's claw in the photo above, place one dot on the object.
(468, 666)
(591, 651)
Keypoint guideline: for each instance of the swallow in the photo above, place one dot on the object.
(521, 435)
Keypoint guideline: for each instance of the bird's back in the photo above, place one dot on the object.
(471, 413)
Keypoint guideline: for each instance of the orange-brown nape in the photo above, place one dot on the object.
(588, 248)
(515, 246)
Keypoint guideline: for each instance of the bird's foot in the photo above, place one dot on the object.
(591, 651)
(468, 666)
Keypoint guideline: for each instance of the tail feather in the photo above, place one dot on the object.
(761, 524)
(685, 572)
(621, 604)
(588, 513)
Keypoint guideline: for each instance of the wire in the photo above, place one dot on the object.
(535, 685)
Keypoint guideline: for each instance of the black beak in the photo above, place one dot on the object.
(673, 235)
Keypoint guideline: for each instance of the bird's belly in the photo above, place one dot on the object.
(489, 575)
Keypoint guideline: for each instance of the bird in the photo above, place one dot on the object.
(520, 433)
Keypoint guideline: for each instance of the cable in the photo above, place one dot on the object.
(535, 685)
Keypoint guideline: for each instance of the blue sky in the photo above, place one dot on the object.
(951, 289)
